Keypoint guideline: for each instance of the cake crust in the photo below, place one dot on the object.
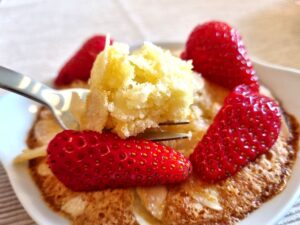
(238, 195)
(242, 193)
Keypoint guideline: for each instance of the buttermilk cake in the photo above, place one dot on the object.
(132, 93)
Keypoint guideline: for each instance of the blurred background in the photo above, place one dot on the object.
(38, 36)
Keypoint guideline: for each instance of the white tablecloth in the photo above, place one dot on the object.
(37, 36)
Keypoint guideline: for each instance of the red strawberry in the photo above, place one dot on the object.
(88, 161)
(246, 126)
(80, 65)
(219, 54)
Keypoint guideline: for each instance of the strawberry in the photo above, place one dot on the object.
(219, 54)
(246, 126)
(80, 65)
(89, 161)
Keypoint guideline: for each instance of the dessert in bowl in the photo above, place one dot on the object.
(241, 149)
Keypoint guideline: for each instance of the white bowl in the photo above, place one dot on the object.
(17, 115)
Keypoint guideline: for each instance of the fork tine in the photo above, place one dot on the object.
(172, 123)
(163, 136)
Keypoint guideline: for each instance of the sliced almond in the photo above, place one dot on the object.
(208, 198)
(45, 130)
(75, 206)
(154, 199)
(29, 154)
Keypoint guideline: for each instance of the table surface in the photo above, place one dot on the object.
(37, 36)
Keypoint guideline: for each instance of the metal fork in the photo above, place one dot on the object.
(59, 102)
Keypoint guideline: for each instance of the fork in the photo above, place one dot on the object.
(59, 102)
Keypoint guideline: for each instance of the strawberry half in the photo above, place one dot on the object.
(246, 126)
(89, 161)
(218, 53)
(80, 65)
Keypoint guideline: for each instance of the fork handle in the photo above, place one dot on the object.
(24, 85)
